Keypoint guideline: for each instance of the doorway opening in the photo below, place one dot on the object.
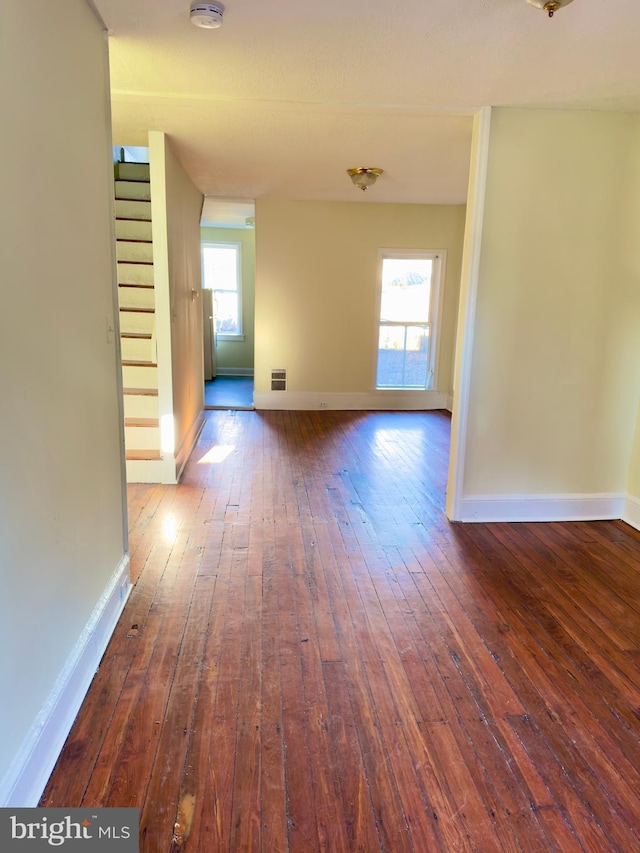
(228, 286)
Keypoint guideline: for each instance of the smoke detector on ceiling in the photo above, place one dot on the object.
(207, 15)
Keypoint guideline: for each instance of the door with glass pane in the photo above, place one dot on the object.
(408, 307)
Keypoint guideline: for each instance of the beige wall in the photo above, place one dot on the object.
(629, 308)
(239, 354)
(633, 483)
(184, 207)
(62, 533)
(556, 356)
(316, 287)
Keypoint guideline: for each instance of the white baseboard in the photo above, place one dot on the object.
(24, 782)
(631, 511)
(234, 371)
(587, 507)
(372, 401)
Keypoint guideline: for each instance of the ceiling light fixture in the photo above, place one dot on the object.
(206, 15)
(549, 6)
(364, 177)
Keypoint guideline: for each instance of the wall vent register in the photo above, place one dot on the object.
(279, 379)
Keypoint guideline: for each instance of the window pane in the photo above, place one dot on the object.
(221, 273)
(403, 357)
(220, 267)
(226, 313)
(406, 289)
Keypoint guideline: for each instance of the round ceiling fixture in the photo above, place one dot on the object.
(206, 15)
(364, 176)
(549, 6)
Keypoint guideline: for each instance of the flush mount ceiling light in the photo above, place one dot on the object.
(364, 177)
(549, 6)
(206, 15)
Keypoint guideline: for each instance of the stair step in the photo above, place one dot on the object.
(135, 273)
(137, 285)
(143, 322)
(133, 363)
(141, 437)
(131, 298)
(143, 455)
(133, 190)
(131, 171)
(140, 392)
(140, 377)
(134, 229)
(134, 252)
(136, 349)
(143, 336)
(131, 219)
(138, 310)
(141, 422)
(141, 407)
(131, 209)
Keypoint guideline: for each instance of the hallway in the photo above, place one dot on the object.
(313, 658)
(229, 392)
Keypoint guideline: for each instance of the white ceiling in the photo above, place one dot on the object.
(288, 94)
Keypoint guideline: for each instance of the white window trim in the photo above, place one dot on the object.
(225, 244)
(439, 258)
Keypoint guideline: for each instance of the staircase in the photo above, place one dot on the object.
(136, 300)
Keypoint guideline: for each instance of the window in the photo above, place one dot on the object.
(221, 272)
(409, 306)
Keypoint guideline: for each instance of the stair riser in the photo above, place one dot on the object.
(128, 230)
(139, 377)
(135, 274)
(136, 349)
(131, 171)
(136, 323)
(139, 406)
(133, 189)
(133, 209)
(134, 252)
(136, 297)
(142, 438)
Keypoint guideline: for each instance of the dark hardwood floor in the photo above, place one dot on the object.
(314, 659)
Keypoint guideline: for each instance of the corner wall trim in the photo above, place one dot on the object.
(24, 782)
(586, 507)
(187, 444)
(469, 278)
(631, 511)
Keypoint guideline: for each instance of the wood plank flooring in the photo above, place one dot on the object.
(314, 659)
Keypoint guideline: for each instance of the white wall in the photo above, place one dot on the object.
(317, 293)
(556, 354)
(62, 530)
